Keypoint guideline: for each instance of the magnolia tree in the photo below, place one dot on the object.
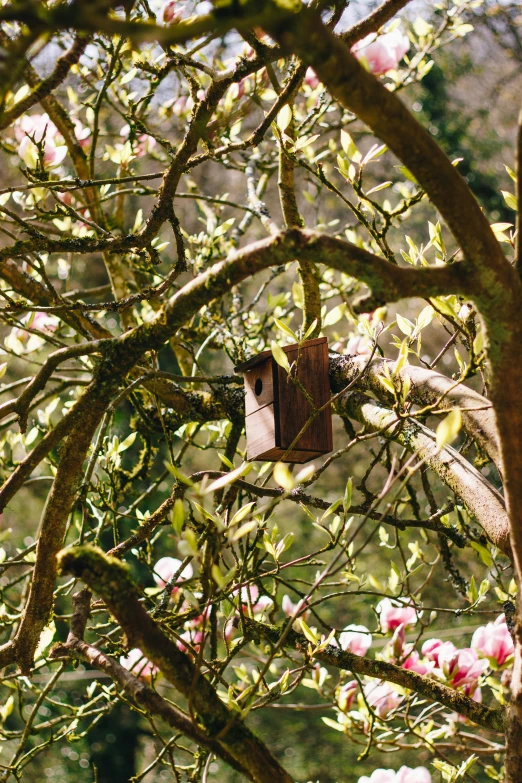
(183, 188)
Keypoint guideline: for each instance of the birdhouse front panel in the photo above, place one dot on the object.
(276, 408)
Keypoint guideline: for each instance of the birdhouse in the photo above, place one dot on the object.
(276, 409)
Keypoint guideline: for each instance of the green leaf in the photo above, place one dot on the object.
(309, 331)
(511, 173)
(387, 383)
(178, 516)
(31, 436)
(310, 635)
(421, 27)
(228, 478)
(128, 76)
(286, 329)
(283, 477)
(243, 512)
(472, 592)
(213, 518)
(304, 142)
(404, 324)
(127, 443)
(484, 553)
(284, 118)
(333, 724)
(174, 471)
(335, 315)
(449, 428)
(305, 473)
(280, 356)
(226, 461)
(510, 200)
(243, 531)
(6, 709)
(348, 145)
(425, 317)
(382, 186)
(407, 173)
(298, 295)
(347, 499)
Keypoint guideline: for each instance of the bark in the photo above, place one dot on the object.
(494, 719)
(427, 388)
(111, 581)
(483, 501)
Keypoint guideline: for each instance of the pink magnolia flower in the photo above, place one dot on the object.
(356, 639)
(380, 776)
(397, 645)
(432, 648)
(41, 321)
(172, 12)
(384, 52)
(136, 663)
(392, 615)
(417, 775)
(382, 698)
(494, 641)
(414, 664)
(460, 667)
(291, 609)
(404, 775)
(346, 695)
(165, 569)
(52, 155)
(194, 639)
(39, 127)
(82, 133)
(311, 78)
(259, 603)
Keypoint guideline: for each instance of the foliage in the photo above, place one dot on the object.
(189, 186)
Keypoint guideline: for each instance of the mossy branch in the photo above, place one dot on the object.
(111, 580)
(382, 670)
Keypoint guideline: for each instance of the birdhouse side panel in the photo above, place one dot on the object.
(261, 433)
(294, 407)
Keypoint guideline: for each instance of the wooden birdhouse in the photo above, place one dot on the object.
(276, 409)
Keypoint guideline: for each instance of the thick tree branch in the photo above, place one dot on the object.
(388, 282)
(362, 93)
(481, 498)
(427, 388)
(46, 86)
(518, 171)
(109, 579)
(134, 687)
(382, 670)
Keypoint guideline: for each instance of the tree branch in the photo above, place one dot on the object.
(110, 579)
(134, 687)
(427, 387)
(382, 670)
(46, 86)
(373, 22)
(363, 94)
(482, 499)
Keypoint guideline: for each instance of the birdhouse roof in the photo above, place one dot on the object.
(261, 357)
